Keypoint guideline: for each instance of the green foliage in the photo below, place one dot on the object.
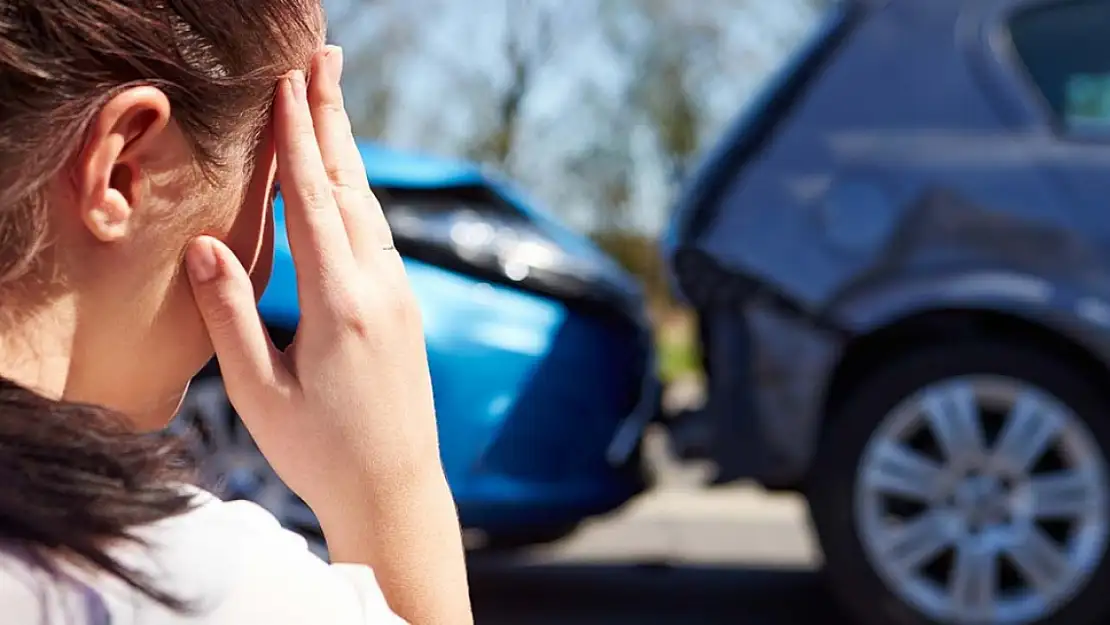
(638, 254)
(678, 354)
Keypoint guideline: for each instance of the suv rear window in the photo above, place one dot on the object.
(1065, 46)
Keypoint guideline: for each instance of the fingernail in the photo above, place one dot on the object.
(200, 260)
(335, 62)
(297, 83)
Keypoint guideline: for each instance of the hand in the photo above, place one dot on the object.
(346, 413)
(345, 416)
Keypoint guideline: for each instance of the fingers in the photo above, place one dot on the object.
(223, 293)
(317, 234)
(367, 228)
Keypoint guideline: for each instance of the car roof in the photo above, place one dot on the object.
(389, 167)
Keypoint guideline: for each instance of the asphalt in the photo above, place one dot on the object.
(680, 555)
(690, 594)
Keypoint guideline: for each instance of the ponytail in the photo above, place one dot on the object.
(75, 478)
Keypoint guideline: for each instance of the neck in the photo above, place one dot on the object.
(36, 345)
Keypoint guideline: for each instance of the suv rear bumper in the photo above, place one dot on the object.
(767, 369)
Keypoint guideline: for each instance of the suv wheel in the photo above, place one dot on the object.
(968, 484)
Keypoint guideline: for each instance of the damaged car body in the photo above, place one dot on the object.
(898, 257)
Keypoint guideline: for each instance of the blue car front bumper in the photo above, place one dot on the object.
(540, 407)
(540, 403)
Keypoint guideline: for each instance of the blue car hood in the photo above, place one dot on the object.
(388, 167)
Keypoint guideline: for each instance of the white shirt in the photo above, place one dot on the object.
(231, 561)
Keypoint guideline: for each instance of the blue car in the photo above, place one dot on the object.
(538, 346)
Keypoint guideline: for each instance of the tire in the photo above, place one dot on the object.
(835, 494)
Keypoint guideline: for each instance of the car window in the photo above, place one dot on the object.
(1065, 46)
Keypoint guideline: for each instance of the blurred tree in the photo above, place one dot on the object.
(659, 46)
(377, 37)
(526, 48)
(374, 90)
(666, 45)
(603, 168)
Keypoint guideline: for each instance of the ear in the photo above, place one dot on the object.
(123, 138)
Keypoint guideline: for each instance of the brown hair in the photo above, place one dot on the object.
(74, 478)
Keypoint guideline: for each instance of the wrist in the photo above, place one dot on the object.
(382, 508)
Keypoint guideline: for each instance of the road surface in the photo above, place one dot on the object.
(678, 556)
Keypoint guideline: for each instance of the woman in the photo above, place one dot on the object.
(139, 147)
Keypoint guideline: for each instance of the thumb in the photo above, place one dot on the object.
(224, 294)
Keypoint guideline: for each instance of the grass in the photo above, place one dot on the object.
(679, 356)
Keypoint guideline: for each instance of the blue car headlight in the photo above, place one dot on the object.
(498, 244)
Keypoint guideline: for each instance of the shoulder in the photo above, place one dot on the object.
(232, 562)
(241, 565)
(30, 594)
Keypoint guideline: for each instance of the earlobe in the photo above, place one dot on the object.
(109, 220)
(123, 140)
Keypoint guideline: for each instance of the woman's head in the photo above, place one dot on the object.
(128, 127)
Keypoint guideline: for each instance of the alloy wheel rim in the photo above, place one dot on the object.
(231, 464)
(983, 499)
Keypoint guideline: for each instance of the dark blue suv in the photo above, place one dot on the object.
(900, 258)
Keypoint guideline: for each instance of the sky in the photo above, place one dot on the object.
(453, 58)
